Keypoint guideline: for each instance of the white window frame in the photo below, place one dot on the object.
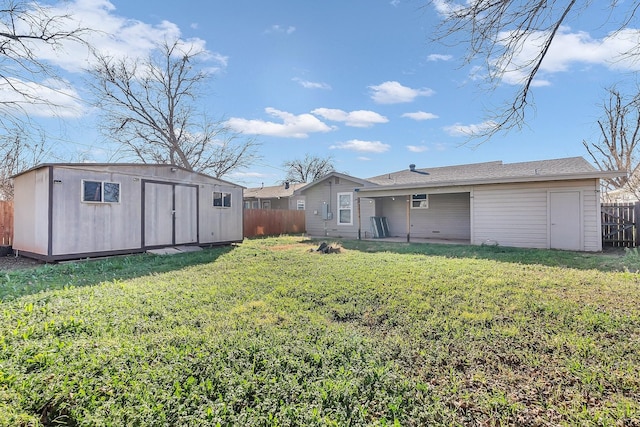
(417, 202)
(340, 209)
(102, 193)
(300, 205)
(224, 199)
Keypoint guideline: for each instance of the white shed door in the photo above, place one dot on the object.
(186, 217)
(170, 214)
(158, 214)
(565, 221)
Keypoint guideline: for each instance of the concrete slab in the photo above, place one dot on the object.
(188, 248)
(163, 251)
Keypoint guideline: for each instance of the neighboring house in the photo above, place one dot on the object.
(539, 204)
(70, 211)
(275, 197)
(619, 195)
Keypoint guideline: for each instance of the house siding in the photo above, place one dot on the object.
(517, 214)
(327, 193)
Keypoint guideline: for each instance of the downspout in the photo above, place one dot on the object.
(359, 222)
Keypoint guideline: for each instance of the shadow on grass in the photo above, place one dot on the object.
(17, 283)
(611, 259)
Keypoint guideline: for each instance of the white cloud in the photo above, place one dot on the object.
(395, 93)
(364, 159)
(110, 35)
(360, 118)
(417, 148)
(292, 126)
(50, 98)
(311, 85)
(362, 146)
(439, 57)
(568, 49)
(420, 115)
(469, 130)
(280, 29)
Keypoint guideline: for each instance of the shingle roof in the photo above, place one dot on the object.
(272, 191)
(489, 171)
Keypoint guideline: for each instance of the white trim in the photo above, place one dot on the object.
(338, 208)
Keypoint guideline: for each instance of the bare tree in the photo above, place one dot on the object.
(309, 169)
(618, 148)
(16, 155)
(149, 109)
(25, 28)
(496, 32)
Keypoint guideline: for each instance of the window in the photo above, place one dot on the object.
(300, 205)
(221, 200)
(345, 208)
(420, 201)
(100, 191)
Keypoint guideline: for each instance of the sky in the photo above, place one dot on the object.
(359, 80)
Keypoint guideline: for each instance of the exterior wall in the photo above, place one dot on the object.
(30, 216)
(85, 229)
(81, 227)
(287, 203)
(326, 192)
(517, 214)
(218, 224)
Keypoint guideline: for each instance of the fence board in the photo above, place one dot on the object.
(271, 222)
(6, 222)
(620, 224)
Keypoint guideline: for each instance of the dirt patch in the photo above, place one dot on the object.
(12, 262)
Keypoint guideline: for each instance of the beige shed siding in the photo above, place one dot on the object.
(31, 200)
(516, 214)
(323, 193)
(218, 224)
(80, 227)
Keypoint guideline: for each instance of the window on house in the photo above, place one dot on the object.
(345, 208)
(300, 205)
(255, 204)
(100, 191)
(221, 200)
(266, 204)
(420, 201)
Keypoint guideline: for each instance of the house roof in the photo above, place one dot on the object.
(360, 181)
(272, 192)
(490, 173)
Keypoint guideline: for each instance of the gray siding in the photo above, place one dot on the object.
(326, 192)
(517, 214)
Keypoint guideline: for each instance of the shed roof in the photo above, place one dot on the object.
(120, 167)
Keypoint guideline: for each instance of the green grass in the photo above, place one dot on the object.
(270, 333)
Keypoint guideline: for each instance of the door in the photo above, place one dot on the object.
(170, 214)
(186, 215)
(565, 220)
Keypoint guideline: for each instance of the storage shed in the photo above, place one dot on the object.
(79, 210)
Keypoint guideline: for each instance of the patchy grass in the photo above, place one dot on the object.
(271, 333)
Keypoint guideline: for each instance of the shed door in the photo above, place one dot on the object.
(170, 214)
(186, 214)
(565, 220)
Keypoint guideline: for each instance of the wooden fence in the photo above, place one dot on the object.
(272, 222)
(6, 222)
(620, 224)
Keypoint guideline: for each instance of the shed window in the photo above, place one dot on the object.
(420, 201)
(100, 191)
(300, 205)
(222, 200)
(345, 208)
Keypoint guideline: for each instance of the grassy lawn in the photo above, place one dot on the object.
(270, 333)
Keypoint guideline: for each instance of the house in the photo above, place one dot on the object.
(69, 211)
(538, 204)
(275, 197)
